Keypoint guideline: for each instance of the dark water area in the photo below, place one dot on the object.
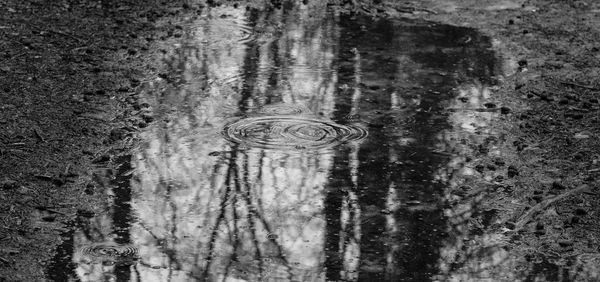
(312, 147)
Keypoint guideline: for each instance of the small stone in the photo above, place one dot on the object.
(558, 186)
(510, 225)
(480, 168)
(539, 226)
(522, 63)
(489, 105)
(512, 171)
(89, 189)
(565, 243)
(134, 82)
(49, 218)
(85, 213)
(148, 118)
(8, 184)
(101, 159)
(117, 134)
(580, 211)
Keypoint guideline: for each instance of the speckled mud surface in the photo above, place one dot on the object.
(523, 206)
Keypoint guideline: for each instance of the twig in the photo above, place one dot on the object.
(3, 260)
(579, 85)
(544, 204)
(67, 35)
(50, 210)
(67, 169)
(13, 57)
(39, 135)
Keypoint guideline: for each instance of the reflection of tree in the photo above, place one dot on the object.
(208, 211)
(413, 77)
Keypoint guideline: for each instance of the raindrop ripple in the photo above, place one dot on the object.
(291, 132)
(282, 109)
(104, 250)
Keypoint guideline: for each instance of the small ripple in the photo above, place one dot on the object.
(290, 132)
(282, 109)
(226, 29)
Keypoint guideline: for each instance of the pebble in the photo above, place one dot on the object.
(510, 225)
(489, 105)
(575, 220)
(558, 186)
(101, 159)
(8, 184)
(512, 171)
(85, 213)
(580, 211)
(565, 243)
(522, 63)
(480, 168)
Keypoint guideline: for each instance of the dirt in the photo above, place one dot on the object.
(69, 71)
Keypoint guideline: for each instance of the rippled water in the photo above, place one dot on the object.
(297, 145)
(290, 132)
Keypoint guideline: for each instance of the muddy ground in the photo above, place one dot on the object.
(68, 76)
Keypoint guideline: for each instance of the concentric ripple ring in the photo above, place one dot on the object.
(289, 132)
(282, 109)
(120, 253)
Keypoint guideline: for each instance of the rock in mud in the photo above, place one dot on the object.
(8, 184)
(504, 110)
(512, 171)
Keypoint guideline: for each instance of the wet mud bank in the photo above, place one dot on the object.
(539, 197)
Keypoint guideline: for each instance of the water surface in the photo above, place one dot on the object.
(312, 147)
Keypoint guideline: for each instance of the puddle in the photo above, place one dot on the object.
(313, 147)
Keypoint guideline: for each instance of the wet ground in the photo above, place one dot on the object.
(299, 141)
(310, 148)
